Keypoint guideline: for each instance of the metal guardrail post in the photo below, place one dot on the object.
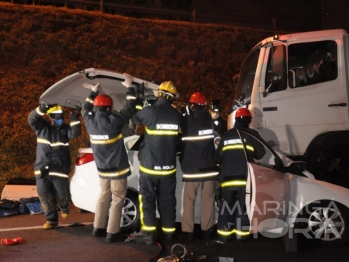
(101, 3)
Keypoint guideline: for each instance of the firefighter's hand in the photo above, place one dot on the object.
(93, 88)
(128, 80)
(44, 108)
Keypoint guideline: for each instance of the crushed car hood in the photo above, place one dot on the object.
(69, 92)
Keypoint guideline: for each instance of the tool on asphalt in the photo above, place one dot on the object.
(131, 237)
(181, 256)
(11, 241)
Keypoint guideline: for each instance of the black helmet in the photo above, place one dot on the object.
(215, 105)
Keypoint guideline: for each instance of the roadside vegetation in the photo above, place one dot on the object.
(41, 45)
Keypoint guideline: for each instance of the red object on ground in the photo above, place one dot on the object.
(11, 241)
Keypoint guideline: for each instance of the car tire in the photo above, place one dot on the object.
(327, 221)
(130, 217)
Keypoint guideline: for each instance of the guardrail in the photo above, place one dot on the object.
(107, 6)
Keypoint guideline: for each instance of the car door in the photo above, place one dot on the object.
(267, 189)
(69, 91)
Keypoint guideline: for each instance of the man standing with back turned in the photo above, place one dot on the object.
(198, 166)
(233, 221)
(105, 130)
(157, 157)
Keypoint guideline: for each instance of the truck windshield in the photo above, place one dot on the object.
(244, 86)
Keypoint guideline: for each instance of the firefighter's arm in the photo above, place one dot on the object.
(35, 117)
(131, 99)
(75, 124)
(219, 154)
(88, 105)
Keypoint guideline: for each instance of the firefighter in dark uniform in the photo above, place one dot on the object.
(219, 124)
(198, 166)
(219, 127)
(157, 157)
(232, 219)
(105, 130)
(53, 160)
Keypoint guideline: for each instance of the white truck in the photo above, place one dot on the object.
(297, 88)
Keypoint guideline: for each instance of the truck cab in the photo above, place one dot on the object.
(296, 87)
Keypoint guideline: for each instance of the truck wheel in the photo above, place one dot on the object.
(130, 213)
(327, 221)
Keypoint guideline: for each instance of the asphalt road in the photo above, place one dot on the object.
(67, 243)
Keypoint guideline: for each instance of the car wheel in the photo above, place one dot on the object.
(327, 221)
(130, 212)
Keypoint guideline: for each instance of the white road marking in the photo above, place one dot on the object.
(40, 227)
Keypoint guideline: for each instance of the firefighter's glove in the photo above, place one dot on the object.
(76, 111)
(43, 108)
(128, 80)
(93, 88)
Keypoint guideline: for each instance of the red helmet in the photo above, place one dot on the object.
(103, 100)
(198, 98)
(243, 112)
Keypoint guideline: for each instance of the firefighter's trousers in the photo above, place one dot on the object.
(114, 191)
(158, 192)
(53, 191)
(190, 191)
(232, 218)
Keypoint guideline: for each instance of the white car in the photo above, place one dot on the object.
(280, 194)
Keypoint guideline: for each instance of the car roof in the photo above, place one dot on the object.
(69, 92)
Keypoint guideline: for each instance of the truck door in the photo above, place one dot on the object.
(305, 92)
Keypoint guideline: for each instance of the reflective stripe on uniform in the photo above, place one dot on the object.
(38, 173)
(157, 172)
(161, 132)
(74, 123)
(45, 141)
(233, 183)
(39, 112)
(141, 216)
(168, 229)
(58, 174)
(114, 174)
(193, 138)
(200, 175)
(89, 100)
(232, 147)
(106, 141)
(227, 233)
(129, 97)
(139, 107)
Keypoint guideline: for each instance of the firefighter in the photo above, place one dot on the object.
(232, 218)
(105, 130)
(219, 127)
(198, 166)
(157, 156)
(53, 160)
(219, 124)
